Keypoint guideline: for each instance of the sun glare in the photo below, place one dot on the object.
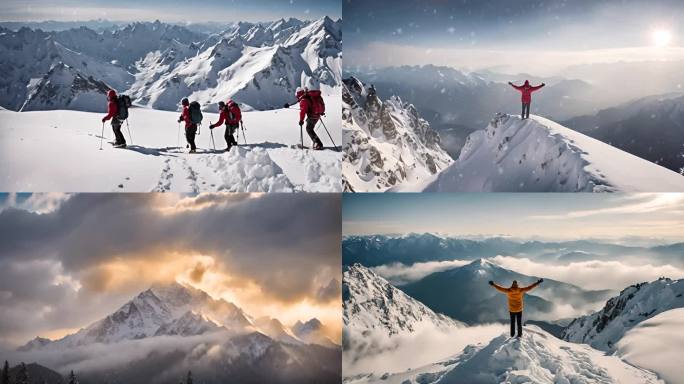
(661, 37)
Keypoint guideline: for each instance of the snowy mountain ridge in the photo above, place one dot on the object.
(386, 143)
(604, 328)
(537, 154)
(371, 303)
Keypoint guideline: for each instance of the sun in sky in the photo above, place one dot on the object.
(661, 37)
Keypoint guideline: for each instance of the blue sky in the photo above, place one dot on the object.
(546, 216)
(168, 10)
(381, 32)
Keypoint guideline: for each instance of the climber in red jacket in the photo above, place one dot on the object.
(113, 113)
(311, 107)
(526, 96)
(231, 114)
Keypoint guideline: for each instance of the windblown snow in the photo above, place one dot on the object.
(539, 155)
(55, 151)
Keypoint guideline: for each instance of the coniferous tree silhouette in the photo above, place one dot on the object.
(5, 373)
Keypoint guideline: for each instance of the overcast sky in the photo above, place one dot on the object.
(547, 216)
(68, 261)
(168, 10)
(509, 35)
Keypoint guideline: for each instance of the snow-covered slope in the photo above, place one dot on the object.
(386, 143)
(58, 151)
(514, 155)
(276, 330)
(370, 303)
(656, 344)
(189, 324)
(540, 358)
(639, 302)
(312, 332)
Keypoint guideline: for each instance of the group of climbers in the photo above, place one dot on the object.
(311, 108)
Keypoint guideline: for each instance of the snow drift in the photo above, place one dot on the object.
(539, 155)
(539, 357)
(656, 344)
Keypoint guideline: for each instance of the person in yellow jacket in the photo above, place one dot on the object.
(515, 302)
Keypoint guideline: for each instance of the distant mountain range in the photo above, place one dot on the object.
(651, 128)
(257, 64)
(375, 250)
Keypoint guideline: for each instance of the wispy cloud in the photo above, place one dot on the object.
(672, 203)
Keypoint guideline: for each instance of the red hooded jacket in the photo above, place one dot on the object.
(526, 91)
(185, 116)
(112, 106)
(231, 114)
(305, 105)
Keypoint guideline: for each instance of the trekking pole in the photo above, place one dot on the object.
(301, 135)
(129, 131)
(102, 136)
(328, 132)
(211, 131)
(178, 141)
(243, 131)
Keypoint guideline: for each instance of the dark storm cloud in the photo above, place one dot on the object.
(280, 241)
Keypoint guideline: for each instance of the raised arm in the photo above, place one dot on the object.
(518, 87)
(532, 89)
(533, 286)
(498, 287)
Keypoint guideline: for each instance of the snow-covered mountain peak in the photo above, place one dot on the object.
(537, 154)
(371, 303)
(386, 142)
(636, 303)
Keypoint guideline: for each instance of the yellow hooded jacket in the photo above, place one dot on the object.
(515, 296)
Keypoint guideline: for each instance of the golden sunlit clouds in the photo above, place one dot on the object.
(661, 37)
(134, 273)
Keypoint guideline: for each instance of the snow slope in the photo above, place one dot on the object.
(55, 151)
(371, 303)
(539, 155)
(656, 344)
(386, 143)
(539, 358)
(604, 329)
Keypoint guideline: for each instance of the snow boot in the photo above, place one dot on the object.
(122, 145)
(193, 151)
